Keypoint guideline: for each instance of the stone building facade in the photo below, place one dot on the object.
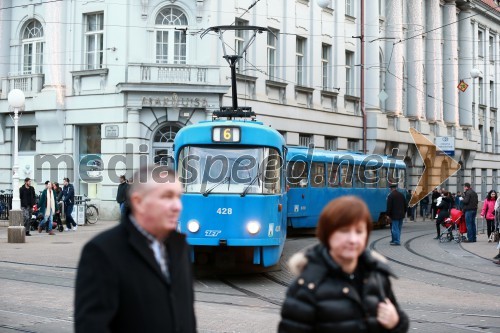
(109, 83)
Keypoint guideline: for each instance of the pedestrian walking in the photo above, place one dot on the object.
(424, 207)
(497, 226)
(434, 196)
(341, 286)
(469, 206)
(28, 199)
(47, 208)
(68, 198)
(488, 212)
(121, 194)
(396, 209)
(444, 205)
(137, 276)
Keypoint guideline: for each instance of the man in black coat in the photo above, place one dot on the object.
(121, 194)
(396, 209)
(28, 199)
(68, 197)
(137, 277)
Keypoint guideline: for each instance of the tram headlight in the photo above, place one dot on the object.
(253, 227)
(193, 226)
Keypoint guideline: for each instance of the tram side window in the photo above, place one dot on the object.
(318, 174)
(359, 176)
(297, 174)
(333, 176)
(382, 179)
(393, 175)
(272, 183)
(371, 178)
(346, 175)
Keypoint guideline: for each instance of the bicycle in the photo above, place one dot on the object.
(91, 212)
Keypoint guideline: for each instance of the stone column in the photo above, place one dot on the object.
(394, 57)
(465, 30)
(415, 54)
(372, 56)
(133, 138)
(450, 64)
(433, 56)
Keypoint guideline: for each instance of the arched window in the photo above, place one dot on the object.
(163, 142)
(171, 25)
(32, 52)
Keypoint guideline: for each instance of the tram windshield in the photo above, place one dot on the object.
(252, 170)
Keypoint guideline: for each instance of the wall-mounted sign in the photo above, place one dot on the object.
(175, 101)
(446, 144)
(111, 131)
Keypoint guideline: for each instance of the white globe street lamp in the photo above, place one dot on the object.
(324, 3)
(16, 101)
(475, 73)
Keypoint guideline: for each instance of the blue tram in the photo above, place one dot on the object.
(234, 192)
(243, 187)
(316, 176)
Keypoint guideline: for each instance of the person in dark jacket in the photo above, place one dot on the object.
(68, 198)
(434, 196)
(444, 205)
(28, 199)
(396, 209)
(342, 287)
(121, 194)
(137, 276)
(469, 206)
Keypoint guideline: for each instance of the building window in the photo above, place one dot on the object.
(239, 41)
(171, 24)
(493, 102)
(491, 49)
(163, 143)
(27, 139)
(349, 10)
(481, 135)
(481, 91)
(352, 145)
(272, 43)
(331, 143)
(94, 40)
(480, 43)
(326, 51)
(304, 139)
(300, 61)
(32, 42)
(493, 135)
(349, 72)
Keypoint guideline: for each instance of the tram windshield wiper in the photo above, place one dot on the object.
(207, 192)
(250, 184)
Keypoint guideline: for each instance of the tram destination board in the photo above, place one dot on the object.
(226, 134)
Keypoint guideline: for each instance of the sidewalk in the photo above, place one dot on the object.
(61, 250)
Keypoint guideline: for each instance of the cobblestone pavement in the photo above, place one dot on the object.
(444, 287)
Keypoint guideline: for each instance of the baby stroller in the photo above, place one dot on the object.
(453, 226)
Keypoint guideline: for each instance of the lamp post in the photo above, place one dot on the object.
(16, 230)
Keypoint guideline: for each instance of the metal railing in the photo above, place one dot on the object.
(5, 205)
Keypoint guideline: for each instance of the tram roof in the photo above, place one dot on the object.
(252, 133)
(322, 155)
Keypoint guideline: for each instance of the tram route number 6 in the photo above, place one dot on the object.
(224, 211)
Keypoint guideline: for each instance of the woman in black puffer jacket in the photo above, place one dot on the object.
(341, 287)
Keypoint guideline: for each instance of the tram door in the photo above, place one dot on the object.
(298, 193)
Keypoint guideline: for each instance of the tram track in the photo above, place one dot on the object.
(373, 246)
(408, 247)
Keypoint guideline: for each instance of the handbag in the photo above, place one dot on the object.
(496, 236)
